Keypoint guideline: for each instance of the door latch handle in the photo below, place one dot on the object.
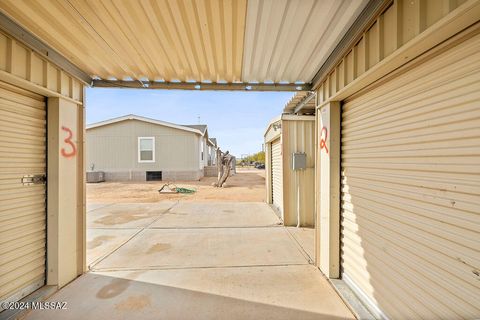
(31, 179)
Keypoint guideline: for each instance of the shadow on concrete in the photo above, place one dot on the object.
(95, 296)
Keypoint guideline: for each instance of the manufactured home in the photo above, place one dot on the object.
(134, 148)
(203, 143)
(212, 151)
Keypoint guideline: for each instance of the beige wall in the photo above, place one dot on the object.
(268, 173)
(392, 30)
(400, 188)
(298, 135)
(114, 147)
(402, 32)
(65, 209)
(405, 35)
(22, 67)
(328, 189)
(269, 136)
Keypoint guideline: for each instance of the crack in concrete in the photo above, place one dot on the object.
(93, 264)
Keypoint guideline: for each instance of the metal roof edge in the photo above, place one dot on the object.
(144, 119)
(276, 119)
(294, 117)
(10, 26)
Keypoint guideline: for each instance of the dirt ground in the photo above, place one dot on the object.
(248, 185)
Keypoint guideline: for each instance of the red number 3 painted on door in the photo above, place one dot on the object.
(68, 140)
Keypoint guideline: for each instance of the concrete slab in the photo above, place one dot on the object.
(195, 261)
(94, 206)
(305, 238)
(101, 242)
(299, 287)
(211, 247)
(218, 214)
(127, 215)
(293, 292)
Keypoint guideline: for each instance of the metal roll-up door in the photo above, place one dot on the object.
(22, 192)
(410, 227)
(277, 181)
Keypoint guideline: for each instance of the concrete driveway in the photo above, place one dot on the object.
(194, 260)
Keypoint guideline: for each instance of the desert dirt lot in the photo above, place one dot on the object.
(248, 185)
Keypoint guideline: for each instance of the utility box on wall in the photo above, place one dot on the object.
(290, 168)
(299, 161)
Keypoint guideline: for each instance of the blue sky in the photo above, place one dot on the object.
(237, 119)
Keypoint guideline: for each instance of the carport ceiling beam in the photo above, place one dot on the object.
(201, 85)
(11, 27)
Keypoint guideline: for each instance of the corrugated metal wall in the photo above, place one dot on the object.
(114, 147)
(202, 40)
(270, 135)
(25, 64)
(278, 43)
(396, 26)
(277, 175)
(170, 40)
(22, 208)
(298, 135)
(411, 189)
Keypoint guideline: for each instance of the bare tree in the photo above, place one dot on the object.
(219, 164)
(224, 164)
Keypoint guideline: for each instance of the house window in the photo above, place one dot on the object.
(146, 149)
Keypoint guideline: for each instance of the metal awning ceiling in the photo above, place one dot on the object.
(303, 102)
(182, 41)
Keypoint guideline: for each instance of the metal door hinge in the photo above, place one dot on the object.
(31, 179)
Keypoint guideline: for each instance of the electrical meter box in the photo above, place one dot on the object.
(299, 161)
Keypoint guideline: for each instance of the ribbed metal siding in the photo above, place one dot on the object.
(279, 42)
(170, 40)
(277, 180)
(202, 40)
(22, 208)
(411, 189)
(299, 185)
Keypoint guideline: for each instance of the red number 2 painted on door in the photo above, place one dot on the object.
(68, 140)
(323, 139)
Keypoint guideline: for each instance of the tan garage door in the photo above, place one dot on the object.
(22, 206)
(411, 189)
(277, 180)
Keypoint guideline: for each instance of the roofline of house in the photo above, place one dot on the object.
(144, 119)
(191, 126)
(211, 142)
